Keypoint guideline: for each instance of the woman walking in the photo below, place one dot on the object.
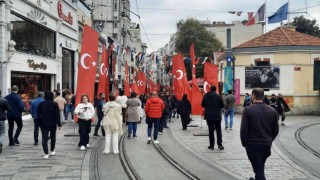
(133, 110)
(184, 110)
(48, 117)
(112, 123)
(85, 112)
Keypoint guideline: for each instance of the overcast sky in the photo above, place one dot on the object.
(161, 16)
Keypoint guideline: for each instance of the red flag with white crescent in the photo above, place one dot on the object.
(180, 82)
(126, 82)
(134, 88)
(102, 72)
(210, 76)
(87, 64)
(196, 96)
(141, 82)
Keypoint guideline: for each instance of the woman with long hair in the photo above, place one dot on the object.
(133, 111)
(112, 124)
(85, 112)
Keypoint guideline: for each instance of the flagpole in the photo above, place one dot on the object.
(288, 11)
(265, 16)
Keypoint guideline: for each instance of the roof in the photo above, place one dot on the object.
(281, 37)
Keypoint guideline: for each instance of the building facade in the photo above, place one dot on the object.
(39, 40)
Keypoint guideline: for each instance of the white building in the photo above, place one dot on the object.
(39, 42)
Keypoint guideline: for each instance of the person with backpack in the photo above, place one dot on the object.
(184, 110)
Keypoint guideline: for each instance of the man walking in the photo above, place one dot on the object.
(14, 115)
(259, 127)
(213, 104)
(33, 110)
(48, 115)
(69, 105)
(229, 109)
(154, 107)
(99, 103)
(4, 107)
(122, 100)
(61, 103)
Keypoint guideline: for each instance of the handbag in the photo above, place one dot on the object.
(103, 122)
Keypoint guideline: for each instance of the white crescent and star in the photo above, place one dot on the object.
(101, 68)
(107, 72)
(181, 74)
(83, 57)
(205, 84)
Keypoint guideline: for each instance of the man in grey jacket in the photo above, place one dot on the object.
(4, 107)
(259, 127)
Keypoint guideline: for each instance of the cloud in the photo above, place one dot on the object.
(160, 17)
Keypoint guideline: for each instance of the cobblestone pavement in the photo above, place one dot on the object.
(26, 160)
(233, 159)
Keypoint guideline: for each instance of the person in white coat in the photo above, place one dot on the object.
(85, 112)
(122, 100)
(112, 124)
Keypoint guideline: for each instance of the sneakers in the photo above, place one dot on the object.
(282, 124)
(149, 140)
(160, 133)
(106, 152)
(221, 147)
(129, 137)
(16, 141)
(46, 156)
(156, 142)
(95, 135)
(11, 144)
(52, 153)
(211, 147)
(166, 127)
(88, 145)
(135, 136)
(82, 148)
(230, 128)
(226, 127)
(36, 143)
(116, 152)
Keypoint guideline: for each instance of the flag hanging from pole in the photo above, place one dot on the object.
(280, 15)
(210, 76)
(196, 96)
(141, 82)
(102, 71)
(258, 17)
(87, 64)
(180, 82)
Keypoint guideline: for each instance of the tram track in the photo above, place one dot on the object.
(299, 139)
(132, 173)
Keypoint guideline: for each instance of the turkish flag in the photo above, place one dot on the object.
(103, 71)
(87, 64)
(196, 96)
(180, 83)
(210, 76)
(141, 82)
(107, 73)
(134, 88)
(126, 81)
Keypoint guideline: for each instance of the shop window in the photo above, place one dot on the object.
(316, 75)
(32, 38)
(67, 69)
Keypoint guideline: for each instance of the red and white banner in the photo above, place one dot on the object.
(103, 72)
(196, 96)
(180, 82)
(126, 82)
(142, 81)
(134, 88)
(87, 64)
(210, 76)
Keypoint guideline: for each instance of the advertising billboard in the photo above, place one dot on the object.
(266, 77)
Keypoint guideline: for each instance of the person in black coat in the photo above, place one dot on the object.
(213, 105)
(184, 109)
(48, 115)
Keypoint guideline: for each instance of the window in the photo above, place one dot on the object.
(32, 38)
(115, 25)
(316, 75)
(115, 5)
(80, 34)
(115, 35)
(67, 69)
(262, 62)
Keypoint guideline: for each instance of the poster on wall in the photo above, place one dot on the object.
(266, 77)
(228, 79)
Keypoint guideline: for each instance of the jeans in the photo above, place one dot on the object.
(132, 126)
(214, 125)
(96, 129)
(11, 121)
(45, 137)
(2, 131)
(229, 111)
(62, 116)
(258, 155)
(156, 122)
(84, 131)
(36, 130)
(69, 108)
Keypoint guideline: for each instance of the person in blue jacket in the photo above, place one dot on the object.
(33, 110)
(14, 115)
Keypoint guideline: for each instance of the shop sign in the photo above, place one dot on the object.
(67, 18)
(35, 66)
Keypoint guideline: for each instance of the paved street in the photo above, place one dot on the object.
(26, 161)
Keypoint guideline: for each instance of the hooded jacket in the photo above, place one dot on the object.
(154, 107)
(212, 104)
(112, 120)
(48, 113)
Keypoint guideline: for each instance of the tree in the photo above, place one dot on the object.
(306, 26)
(191, 31)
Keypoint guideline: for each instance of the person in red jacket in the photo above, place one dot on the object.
(153, 108)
